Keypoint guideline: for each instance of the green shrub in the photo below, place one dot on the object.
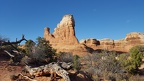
(135, 59)
(40, 51)
(76, 62)
(45, 46)
(29, 44)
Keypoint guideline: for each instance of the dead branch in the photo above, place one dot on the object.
(10, 43)
(51, 68)
(26, 77)
(9, 53)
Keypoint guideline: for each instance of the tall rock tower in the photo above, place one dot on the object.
(64, 33)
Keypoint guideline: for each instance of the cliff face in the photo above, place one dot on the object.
(123, 45)
(135, 38)
(64, 39)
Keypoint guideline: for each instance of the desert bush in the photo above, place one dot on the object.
(102, 64)
(69, 58)
(65, 57)
(76, 62)
(45, 46)
(39, 51)
(29, 44)
(134, 60)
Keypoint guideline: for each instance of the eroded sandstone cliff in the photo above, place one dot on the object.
(64, 39)
(123, 45)
(64, 33)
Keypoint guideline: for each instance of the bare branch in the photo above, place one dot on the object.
(10, 43)
(9, 53)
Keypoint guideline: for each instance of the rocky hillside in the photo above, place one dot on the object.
(64, 39)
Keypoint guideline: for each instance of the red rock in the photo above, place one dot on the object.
(64, 39)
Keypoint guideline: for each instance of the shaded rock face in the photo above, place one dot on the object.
(91, 43)
(64, 39)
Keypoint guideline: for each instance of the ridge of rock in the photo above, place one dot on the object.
(64, 39)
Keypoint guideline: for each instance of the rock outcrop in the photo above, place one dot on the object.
(135, 38)
(123, 45)
(64, 39)
(64, 33)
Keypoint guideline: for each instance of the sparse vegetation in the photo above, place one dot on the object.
(29, 46)
(65, 57)
(110, 66)
(99, 66)
(76, 62)
(102, 64)
(40, 52)
(133, 60)
(69, 58)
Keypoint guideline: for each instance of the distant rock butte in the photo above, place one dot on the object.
(64, 39)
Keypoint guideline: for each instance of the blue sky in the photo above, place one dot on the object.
(94, 18)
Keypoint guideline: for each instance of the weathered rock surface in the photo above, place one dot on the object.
(64, 33)
(134, 38)
(123, 45)
(64, 39)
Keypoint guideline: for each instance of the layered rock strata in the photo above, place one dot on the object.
(123, 45)
(64, 33)
(64, 39)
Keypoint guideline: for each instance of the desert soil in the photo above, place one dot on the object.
(7, 70)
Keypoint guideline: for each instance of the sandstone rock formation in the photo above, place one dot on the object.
(135, 38)
(123, 45)
(64, 39)
(64, 33)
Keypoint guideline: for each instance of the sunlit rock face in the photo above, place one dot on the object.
(64, 39)
(134, 38)
(64, 33)
(122, 45)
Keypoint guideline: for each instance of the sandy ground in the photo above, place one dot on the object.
(7, 70)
